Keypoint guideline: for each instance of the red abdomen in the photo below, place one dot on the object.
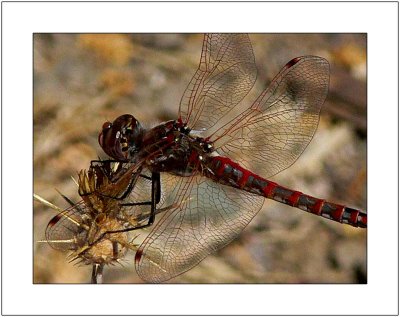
(227, 172)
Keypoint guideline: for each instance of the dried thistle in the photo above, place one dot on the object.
(96, 230)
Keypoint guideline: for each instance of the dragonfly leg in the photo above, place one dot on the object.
(155, 194)
(155, 199)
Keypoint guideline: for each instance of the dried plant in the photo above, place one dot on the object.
(96, 230)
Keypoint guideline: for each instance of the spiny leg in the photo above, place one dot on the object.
(155, 198)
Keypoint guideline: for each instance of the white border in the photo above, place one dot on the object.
(379, 20)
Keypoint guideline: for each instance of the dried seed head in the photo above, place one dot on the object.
(95, 229)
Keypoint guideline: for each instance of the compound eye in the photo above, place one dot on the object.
(106, 125)
(100, 139)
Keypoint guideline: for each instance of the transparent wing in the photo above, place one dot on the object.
(65, 230)
(225, 75)
(270, 135)
(207, 217)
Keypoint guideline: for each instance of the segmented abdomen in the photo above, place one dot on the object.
(227, 172)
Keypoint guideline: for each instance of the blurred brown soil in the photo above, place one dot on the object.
(80, 81)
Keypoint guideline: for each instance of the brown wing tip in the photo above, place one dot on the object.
(138, 256)
(54, 220)
(292, 62)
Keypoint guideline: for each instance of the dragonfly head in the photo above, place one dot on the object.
(122, 138)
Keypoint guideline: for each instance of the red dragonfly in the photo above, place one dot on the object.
(206, 156)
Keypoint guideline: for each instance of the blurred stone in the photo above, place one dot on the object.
(115, 49)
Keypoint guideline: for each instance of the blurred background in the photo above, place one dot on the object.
(83, 80)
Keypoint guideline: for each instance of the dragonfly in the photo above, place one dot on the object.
(215, 158)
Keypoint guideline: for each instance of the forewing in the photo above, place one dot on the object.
(225, 75)
(207, 217)
(272, 134)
